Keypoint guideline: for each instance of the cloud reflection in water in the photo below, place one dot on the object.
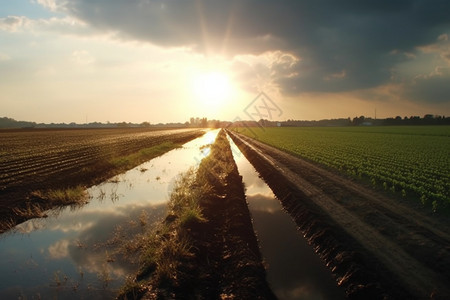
(62, 250)
(70, 254)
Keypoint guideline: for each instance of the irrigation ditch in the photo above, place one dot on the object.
(206, 247)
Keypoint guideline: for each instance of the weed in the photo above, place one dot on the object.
(114, 197)
(104, 276)
(73, 195)
(169, 255)
(101, 195)
(131, 290)
(109, 257)
(191, 215)
(57, 280)
(143, 218)
(115, 179)
(31, 210)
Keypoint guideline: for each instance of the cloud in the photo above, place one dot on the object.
(82, 57)
(266, 71)
(441, 47)
(13, 23)
(326, 45)
(60, 25)
(52, 5)
(59, 249)
(433, 87)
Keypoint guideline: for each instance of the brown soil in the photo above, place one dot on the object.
(33, 160)
(377, 247)
(226, 262)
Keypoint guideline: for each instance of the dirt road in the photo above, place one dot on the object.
(377, 247)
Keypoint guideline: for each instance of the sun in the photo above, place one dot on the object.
(212, 88)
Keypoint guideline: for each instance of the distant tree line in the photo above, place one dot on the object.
(205, 123)
(11, 123)
(413, 120)
(193, 123)
(426, 120)
(356, 121)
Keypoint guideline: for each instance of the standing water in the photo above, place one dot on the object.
(294, 271)
(68, 255)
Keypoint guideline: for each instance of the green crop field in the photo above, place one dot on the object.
(413, 162)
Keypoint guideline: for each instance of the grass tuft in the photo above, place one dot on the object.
(192, 215)
(73, 195)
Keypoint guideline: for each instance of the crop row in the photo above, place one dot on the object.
(395, 158)
(33, 159)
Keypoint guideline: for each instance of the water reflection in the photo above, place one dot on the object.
(294, 271)
(70, 254)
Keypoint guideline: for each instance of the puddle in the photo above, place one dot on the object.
(294, 271)
(68, 254)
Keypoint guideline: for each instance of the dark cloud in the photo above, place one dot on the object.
(340, 45)
(431, 88)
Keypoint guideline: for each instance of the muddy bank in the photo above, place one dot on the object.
(221, 257)
(361, 276)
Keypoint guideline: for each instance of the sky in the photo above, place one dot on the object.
(169, 60)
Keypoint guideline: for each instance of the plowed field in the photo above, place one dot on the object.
(33, 160)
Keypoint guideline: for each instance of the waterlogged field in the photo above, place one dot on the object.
(412, 162)
(47, 164)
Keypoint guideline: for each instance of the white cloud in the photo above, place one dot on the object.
(265, 72)
(59, 25)
(13, 23)
(59, 250)
(82, 57)
(50, 4)
(441, 47)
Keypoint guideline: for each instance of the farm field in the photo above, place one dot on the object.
(371, 244)
(40, 160)
(368, 238)
(411, 162)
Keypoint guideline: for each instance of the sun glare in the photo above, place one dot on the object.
(212, 89)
